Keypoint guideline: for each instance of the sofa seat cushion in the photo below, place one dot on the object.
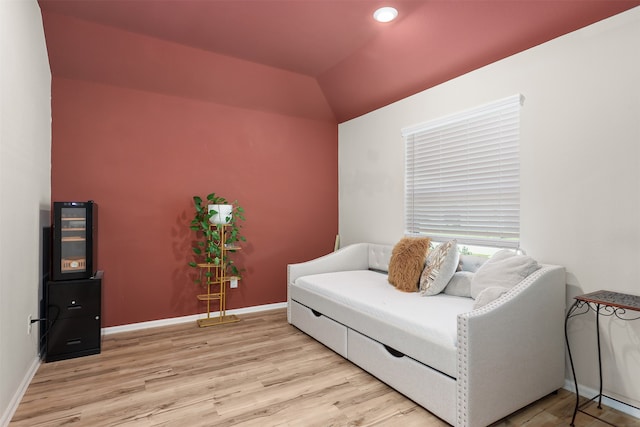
(421, 328)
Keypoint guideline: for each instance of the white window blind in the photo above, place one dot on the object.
(462, 176)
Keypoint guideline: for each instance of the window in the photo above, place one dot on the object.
(462, 176)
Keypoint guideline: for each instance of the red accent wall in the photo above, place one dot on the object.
(143, 155)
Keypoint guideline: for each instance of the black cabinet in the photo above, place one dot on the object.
(72, 318)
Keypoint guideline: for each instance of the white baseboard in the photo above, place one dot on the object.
(609, 401)
(17, 396)
(184, 319)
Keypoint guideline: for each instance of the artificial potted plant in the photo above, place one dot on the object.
(216, 218)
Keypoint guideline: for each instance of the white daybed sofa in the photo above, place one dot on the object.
(469, 367)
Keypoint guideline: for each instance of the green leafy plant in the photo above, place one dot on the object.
(207, 249)
(465, 251)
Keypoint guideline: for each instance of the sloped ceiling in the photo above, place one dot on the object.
(356, 64)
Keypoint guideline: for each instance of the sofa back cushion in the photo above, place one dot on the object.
(460, 284)
(379, 257)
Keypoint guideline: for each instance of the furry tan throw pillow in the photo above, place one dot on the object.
(407, 262)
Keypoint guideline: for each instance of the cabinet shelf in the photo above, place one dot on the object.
(73, 239)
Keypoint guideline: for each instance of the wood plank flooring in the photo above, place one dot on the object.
(258, 372)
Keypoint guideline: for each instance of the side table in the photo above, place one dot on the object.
(603, 303)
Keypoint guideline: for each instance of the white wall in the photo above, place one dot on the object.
(25, 189)
(580, 172)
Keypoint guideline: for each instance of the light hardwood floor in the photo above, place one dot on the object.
(258, 372)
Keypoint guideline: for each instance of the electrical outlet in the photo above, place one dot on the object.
(233, 283)
(29, 325)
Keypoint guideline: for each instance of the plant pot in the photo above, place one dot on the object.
(223, 215)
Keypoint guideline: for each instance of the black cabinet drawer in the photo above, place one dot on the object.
(73, 337)
(77, 298)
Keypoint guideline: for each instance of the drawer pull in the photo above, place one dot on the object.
(393, 351)
(316, 313)
(74, 342)
(74, 307)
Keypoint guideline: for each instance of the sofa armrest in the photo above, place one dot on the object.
(352, 257)
(511, 351)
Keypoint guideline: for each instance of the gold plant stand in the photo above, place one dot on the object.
(216, 284)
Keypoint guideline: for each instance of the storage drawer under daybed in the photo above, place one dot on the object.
(326, 330)
(425, 386)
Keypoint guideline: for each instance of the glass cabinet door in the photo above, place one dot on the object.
(74, 240)
(73, 245)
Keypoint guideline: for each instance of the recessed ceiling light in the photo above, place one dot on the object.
(385, 14)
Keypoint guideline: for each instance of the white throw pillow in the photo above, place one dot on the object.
(504, 269)
(441, 264)
(489, 294)
(460, 284)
